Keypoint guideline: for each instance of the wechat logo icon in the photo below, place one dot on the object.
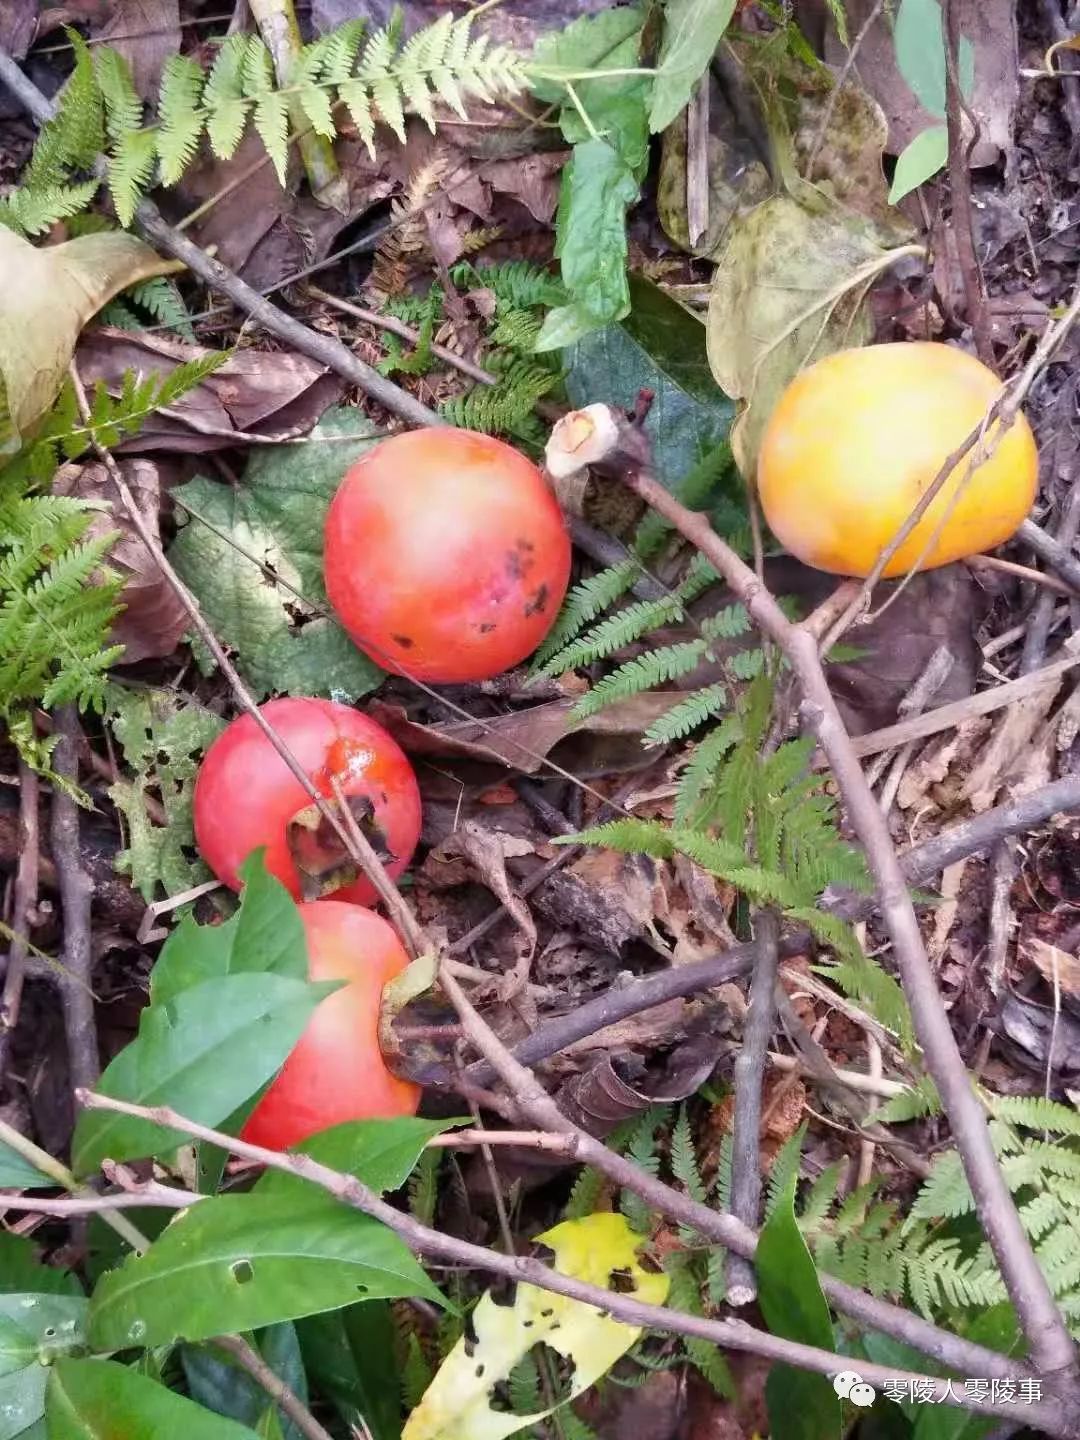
(850, 1386)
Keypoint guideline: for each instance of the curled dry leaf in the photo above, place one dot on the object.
(601, 1098)
(270, 395)
(49, 295)
(1058, 968)
(152, 620)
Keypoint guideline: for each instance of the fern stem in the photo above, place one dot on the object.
(278, 27)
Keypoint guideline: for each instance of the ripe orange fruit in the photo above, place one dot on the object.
(856, 439)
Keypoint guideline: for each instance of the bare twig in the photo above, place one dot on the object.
(401, 916)
(26, 890)
(746, 1123)
(394, 326)
(960, 189)
(1070, 83)
(290, 1404)
(1052, 551)
(1038, 629)
(1051, 1344)
(76, 892)
(697, 162)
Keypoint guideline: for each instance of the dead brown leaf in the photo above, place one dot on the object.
(153, 620)
(272, 395)
(1010, 741)
(1057, 967)
(146, 33)
(532, 179)
(616, 1088)
(18, 23)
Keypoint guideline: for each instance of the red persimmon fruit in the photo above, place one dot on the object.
(246, 796)
(336, 1071)
(446, 555)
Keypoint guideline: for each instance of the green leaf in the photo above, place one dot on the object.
(350, 1358)
(276, 514)
(203, 1053)
(100, 1399)
(381, 1153)
(22, 1272)
(918, 161)
(18, 1174)
(692, 31)
(597, 188)
(238, 1262)
(997, 1329)
(215, 1380)
(801, 1406)
(34, 1329)
(585, 44)
(265, 936)
(920, 54)
(659, 346)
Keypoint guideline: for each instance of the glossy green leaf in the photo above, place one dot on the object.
(203, 1053)
(34, 1329)
(802, 1406)
(922, 158)
(660, 347)
(597, 188)
(238, 1262)
(381, 1153)
(920, 54)
(585, 44)
(276, 513)
(215, 1380)
(265, 935)
(351, 1359)
(101, 1400)
(997, 1329)
(692, 31)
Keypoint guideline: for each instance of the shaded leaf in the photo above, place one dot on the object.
(585, 44)
(276, 514)
(238, 1262)
(34, 1330)
(93, 1399)
(18, 1174)
(215, 1380)
(659, 346)
(350, 1357)
(919, 38)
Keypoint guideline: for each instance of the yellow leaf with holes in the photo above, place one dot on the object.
(600, 1249)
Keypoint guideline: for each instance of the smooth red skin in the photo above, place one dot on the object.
(336, 1072)
(447, 556)
(245, 794)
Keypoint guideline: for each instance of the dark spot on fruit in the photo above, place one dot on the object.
(487, 627)
(538, 601)
(405, 641)
(519, 561)
(526, 545)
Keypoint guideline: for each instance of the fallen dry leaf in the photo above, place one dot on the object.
(1058, 968)
(153, 620)
(271, 394)
(1010, 742)
(18, 23)
(146, 33)
(600, 1098)
(50, 292)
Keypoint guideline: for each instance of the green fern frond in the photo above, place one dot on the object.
(518, 285)
(687, 715)
(616, 632)
(859, 977)
(1036, 1113)
(161, 297)
(641, 1148)
(632, 837)
(821, 1197)
(340, 49)
(223, 96)
(917, 1100)
(500, 408)
(523, 1387)
(585, 1194)
(180, 121)
(658, 667)
(131, 163)
(785, 1170)
(585, 601)
(684, 1160)
(75, 135)
(123, 108)
(32, 210)
(700, 772)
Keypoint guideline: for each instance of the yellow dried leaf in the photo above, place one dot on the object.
(457, 1403)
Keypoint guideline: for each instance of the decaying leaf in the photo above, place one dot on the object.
(790, 286)
(1058, 968)
(49, 294)
(153, 619)
(610, 1091)
(600, 1249)
(272, 395)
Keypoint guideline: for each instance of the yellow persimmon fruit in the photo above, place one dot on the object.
(856, 439)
